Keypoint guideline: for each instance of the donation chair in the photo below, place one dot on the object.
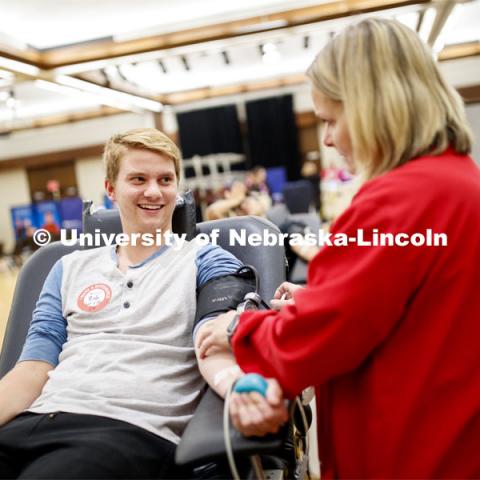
(298, 196)
(201, 451)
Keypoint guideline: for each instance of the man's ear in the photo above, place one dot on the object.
(110, 189)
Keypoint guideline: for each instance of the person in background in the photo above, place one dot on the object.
(237, 202)
(50, 224)
(387, 334)
(256, 180)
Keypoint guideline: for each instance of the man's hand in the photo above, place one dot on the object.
(255, 415)
(21, 386)
(284, 295)
(212, 337)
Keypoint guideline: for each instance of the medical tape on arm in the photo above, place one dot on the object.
(232, 372)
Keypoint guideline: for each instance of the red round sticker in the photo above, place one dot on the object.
(94, 298)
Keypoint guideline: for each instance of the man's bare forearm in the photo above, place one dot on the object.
(20, 387)
(220, 370)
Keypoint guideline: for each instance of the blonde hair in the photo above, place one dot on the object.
(397, 104)
(139, 138)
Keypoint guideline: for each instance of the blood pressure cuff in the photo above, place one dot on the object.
(224, 293)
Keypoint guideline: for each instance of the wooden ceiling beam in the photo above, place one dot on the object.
(213, 92)
(61, 119)
(456, 51)
(177, 98)
(108, 49)
(460, 51)
(470, 94)
(30, 56)
(444, 10)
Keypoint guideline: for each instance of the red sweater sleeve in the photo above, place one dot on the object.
(354, 297)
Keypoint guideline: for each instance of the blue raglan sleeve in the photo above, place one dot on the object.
(48, 329)
(213, 261)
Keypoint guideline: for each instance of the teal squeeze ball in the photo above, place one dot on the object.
(252, 382)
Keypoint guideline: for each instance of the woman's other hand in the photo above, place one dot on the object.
(284, 295)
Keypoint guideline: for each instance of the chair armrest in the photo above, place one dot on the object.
(202, 440)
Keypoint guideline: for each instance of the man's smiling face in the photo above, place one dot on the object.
(145, 191)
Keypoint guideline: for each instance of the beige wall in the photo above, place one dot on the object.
(14, 192)
(70, 135)
(90, 177)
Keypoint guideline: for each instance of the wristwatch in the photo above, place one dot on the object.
(232, 327)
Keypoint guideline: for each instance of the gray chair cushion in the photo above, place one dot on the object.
(278, 214)
(27, 290)
(203, 440)
(298, 196)
(108, 221)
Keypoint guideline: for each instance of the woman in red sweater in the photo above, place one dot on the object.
(387, 333)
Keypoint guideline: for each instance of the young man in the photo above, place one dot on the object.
(108, 377)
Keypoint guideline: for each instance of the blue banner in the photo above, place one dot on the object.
(71, 213)
(47, 217)
(23, 220)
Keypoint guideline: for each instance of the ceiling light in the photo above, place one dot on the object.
(184, 60)
(11, 102)
(107, 96)
(162, 66)
(62, 90)
(226, 58)
(270, 53)
(19, 67)
(6, 75)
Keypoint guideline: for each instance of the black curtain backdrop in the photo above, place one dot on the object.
(272, 134)
(211, 130)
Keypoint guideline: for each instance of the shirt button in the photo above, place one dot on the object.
(126, 305)
(129, 284)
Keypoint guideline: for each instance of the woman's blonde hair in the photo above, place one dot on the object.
(139, 138)
(397, 104)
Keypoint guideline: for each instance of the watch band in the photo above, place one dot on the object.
(232, 327)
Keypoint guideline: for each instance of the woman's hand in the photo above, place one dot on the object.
(212, 336)
(284, 295)
(255, 415)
